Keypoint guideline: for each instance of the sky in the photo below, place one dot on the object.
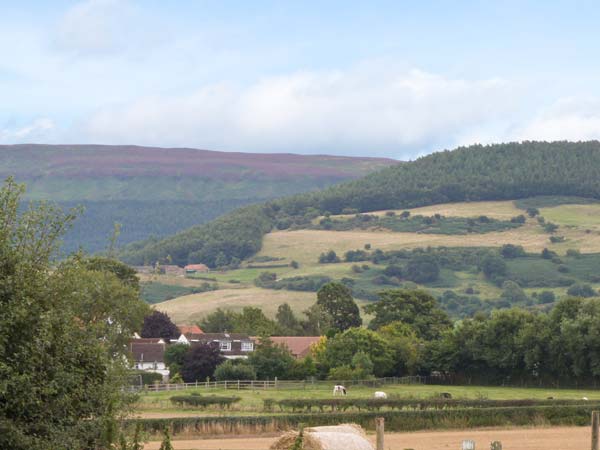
(396, 79)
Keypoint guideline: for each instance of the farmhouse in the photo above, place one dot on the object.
(195, 268)
(148, 355)
(232, 345)
(299, 346)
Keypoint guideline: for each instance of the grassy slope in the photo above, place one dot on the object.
(304, 246)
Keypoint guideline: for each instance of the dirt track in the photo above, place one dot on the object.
(560, 438)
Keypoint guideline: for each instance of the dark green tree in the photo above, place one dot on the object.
(61, 386)
(287, 320)
(175, 357)
(201, 361)
(422, 269)
(235, 370)
(336, 299)
(158, 324)
(219, 321)
(341, 349)
(415, 308)
(271, 360)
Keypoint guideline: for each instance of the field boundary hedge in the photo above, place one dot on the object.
(575, 415)
(373, 404)
(204, 401)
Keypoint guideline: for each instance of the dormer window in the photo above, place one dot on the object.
(225, 346)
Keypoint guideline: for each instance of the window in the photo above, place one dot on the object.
(247, 346)
(225, 346)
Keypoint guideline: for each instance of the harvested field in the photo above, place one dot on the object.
(190, 308)
(556, 438)
(306, 245)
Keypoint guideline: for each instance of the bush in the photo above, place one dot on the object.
(204, 401)
(328, 258)
(546, 297)
(581, 290)
(422, 269)
(147, 377)
(393, 271)
(512, 251)
(235, 370)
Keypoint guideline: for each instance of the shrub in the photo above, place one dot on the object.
(204, 401)
(546, 297)
(581, 290)
(329, 257)
(235, 370)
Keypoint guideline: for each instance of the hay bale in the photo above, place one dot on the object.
(338, 437)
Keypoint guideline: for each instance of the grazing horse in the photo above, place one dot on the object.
(380, 394)
(339, 389)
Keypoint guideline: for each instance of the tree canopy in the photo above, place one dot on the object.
(336, 299)
(63, 329)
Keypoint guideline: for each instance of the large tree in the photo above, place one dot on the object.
(62, 333)
(336, 299)
(341, 349)
(200, 362)
(271, 360)
(416, 308)
(159, 325)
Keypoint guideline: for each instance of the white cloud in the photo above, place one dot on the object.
(574, 119)
(96, 26)
(370, 107)
(34, 131)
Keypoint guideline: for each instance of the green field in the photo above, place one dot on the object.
(579, 225)
(252, 400)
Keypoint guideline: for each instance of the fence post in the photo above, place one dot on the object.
(468, 445)
(238, 385)
(379, 428)
(595, 424)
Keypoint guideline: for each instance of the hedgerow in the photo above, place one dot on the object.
(576, 415)
(200, 401)
(372, 404)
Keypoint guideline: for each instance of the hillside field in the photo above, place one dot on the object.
(578, 224)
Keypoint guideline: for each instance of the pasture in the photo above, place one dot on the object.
(157, 404)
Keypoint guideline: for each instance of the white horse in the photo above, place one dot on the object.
(380, 394)
(339, 389)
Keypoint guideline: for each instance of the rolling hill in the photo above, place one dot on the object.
(494, 172)
(571, 260)
(160, 191)
(480, 227)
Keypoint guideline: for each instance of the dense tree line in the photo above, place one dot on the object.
(493, 172)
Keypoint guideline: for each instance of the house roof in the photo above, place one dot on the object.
(220, 337)
(149, 341)
(147, 351)
(189, 329)
(299, 346)
(201, 267)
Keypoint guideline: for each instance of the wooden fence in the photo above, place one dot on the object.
(280, 384)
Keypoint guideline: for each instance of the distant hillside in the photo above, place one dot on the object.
(160, 191)
(494, 172)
